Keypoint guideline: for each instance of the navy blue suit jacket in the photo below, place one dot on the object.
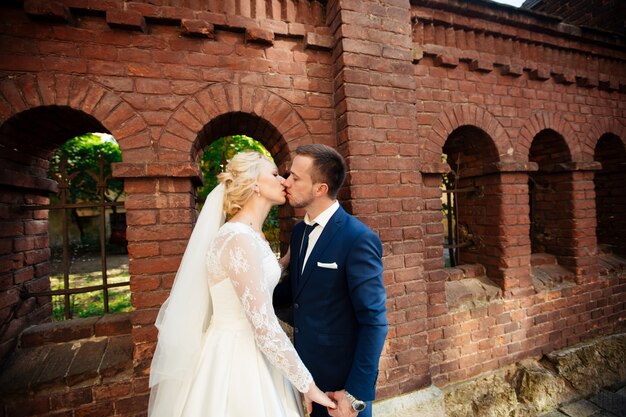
(339, 315)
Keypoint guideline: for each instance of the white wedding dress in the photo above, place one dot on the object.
(247, 365)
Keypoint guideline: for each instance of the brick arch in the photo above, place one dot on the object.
(183, 132)
(462, 115)
(38, 113)
(542, 121)
(597, 129)
(118, 117)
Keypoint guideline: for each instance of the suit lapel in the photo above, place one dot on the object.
(335, 223)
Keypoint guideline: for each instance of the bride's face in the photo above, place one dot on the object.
(271, 184)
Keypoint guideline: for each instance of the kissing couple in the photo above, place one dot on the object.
(221, 351)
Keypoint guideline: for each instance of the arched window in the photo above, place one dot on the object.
(551, 193)
(87, 228)
(28, 142)
(470, 209)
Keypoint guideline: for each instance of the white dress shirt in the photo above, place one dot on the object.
(321, 220)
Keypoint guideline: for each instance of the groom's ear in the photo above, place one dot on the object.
(322, 189)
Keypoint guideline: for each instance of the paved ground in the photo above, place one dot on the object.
(606, 403)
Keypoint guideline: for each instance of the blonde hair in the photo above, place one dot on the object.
(239, 179)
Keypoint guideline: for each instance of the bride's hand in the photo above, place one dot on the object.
(315, 394)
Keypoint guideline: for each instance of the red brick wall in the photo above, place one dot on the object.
(390, 84)
(24, 265)
(467, 343)
(494, 77)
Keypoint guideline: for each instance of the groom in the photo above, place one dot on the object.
(335, 286)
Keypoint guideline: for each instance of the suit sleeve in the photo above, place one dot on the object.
(368, 297)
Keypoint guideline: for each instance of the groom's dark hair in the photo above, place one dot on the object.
(328, 166)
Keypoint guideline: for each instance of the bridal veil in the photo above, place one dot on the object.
(185, 316)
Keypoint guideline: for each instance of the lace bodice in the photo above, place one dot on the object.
(240, 255)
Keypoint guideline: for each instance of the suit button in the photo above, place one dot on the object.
(296, 306)
(296, 330)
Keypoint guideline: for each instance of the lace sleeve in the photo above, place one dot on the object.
(243, 262)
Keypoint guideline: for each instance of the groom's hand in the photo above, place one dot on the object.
(344, 408)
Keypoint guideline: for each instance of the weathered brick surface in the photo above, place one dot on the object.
(517, 102)
(77, 376)
(195, 27)
(82, 367)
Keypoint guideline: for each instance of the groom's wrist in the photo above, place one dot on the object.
(357, 405)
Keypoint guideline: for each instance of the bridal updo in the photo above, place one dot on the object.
(239, 179)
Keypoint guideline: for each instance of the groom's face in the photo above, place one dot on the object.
(299, 185)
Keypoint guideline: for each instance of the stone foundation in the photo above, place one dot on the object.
(526, 389)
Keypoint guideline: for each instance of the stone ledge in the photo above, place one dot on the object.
(472, 292)
(22, 180)
(71, 330)
(66, 364)
(573, 166)
(611, 264)
(548, 275)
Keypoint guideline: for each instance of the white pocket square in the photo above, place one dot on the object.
(327, 265)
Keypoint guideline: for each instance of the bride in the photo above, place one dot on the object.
(221, 351)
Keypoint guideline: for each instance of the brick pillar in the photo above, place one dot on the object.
(160, 214)
(583, 240)
(434, 275)
(513, 233)
(376, 131)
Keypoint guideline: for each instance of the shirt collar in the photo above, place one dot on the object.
(323, 218)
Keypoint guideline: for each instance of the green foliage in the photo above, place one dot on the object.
(83, 154)
(219, 153)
